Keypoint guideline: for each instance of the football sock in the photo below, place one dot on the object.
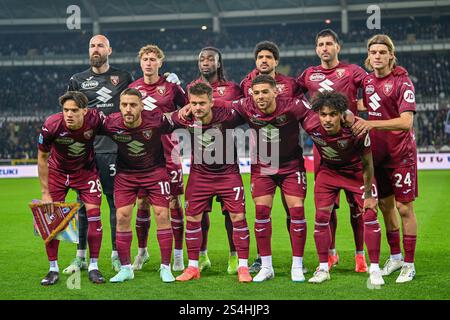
(82, 227)
(52, 249)
(177, 227)
(95, 232)
(263, 230)
(333, 226)
(93, 264)
(243, 263)
(409, 245)
(205, 229)
(374, 267)
(357, 222)
(322, 235)
(193, 239)
(241, 238)
(142, 227)
(165, 240)
(112, 219)
(193, 263)
(323, 266)
(298, 231)
(142, 251)
(81, 254)
(54, 266)
(229, 228)
(393, 238)
(266, 261)
(297, 262)
(123, 241)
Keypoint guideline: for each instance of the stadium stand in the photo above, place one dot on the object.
(33, 91)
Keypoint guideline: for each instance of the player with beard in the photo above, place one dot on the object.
(211, 67)
(140, 166)
(102, 84)
(158, 93)
(207, 179)
(333, 75)
(267, 58)
(388, 94)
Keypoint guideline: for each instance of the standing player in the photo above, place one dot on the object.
(211, 69)
(140, 165)
(102, 85)
(209, 133)
(333, 75)
(389, 97)
(346, 163)
(275, 121)
(157, 93)
(66, 160)
(267, 58)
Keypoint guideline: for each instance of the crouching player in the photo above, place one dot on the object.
(346, 163)
(66, 160)
(213, 173)
(140, 165)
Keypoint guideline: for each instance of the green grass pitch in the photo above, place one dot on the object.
(24, 263)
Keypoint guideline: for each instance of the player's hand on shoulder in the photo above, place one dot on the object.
(348, 119)
(172, 78)
(185, 112)
(361, 127)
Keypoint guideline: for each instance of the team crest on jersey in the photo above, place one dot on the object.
(281, 119)
(221, 91)
(88, 134)
(115, 80)
(317, 76)
(343, 144)
(161, 90)
(370, 89)
(281, 87)
(340, 72)
(147, 134)
(319, 141)
(387, 88)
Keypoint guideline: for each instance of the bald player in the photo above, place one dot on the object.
(102, 84)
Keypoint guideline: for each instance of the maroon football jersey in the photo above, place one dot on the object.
(286, 86)
(386, 98)
(226, 90)
(167, 97)
(344, 78)
(340, 151)
(164, 95)
(203, 139)
(70, 150)
(139, 149)
(280, 128)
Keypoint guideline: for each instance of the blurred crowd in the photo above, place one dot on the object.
(407, 30)
(34, 91)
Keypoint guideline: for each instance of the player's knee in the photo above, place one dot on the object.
(322, 217)
(263, 212)
(405, 209)
(235, 217)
